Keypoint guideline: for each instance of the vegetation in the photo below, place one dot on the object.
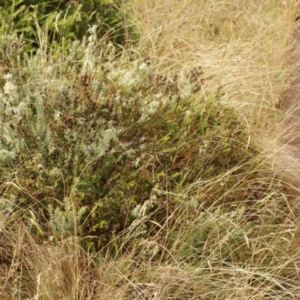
(148, 172)
(55, 23)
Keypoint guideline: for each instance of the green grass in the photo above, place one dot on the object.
(124, 180)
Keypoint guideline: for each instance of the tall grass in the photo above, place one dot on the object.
(224, 239)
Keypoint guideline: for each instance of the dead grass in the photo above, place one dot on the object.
(250, 50)
(218, 256)
(242, 46)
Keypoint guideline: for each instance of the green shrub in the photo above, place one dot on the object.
(56, 22)
(94, 140)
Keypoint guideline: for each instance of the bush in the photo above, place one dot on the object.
(56, 22)
(94, 140)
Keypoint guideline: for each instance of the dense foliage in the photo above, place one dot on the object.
(94, 140)
(56, 22)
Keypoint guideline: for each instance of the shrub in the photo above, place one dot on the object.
(94, 140)
(56, 22)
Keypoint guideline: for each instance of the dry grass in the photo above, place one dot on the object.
(243, 48)
(218, 256)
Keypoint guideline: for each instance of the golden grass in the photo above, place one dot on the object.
(243, 48)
